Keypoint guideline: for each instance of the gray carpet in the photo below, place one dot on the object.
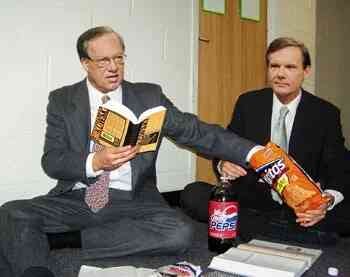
(66, 263)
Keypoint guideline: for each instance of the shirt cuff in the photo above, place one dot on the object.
(218, 167)
(252, 152)
(90, 173)
(338, 197)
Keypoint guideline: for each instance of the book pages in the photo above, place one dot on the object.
(248, 263)
(264, 258)
(150, 131)
(278, 249)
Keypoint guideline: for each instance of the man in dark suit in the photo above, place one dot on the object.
(132, 217)
(313, 138)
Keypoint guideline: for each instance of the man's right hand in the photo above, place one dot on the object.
(231, 170)
(110, 158)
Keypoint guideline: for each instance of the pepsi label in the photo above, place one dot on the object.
(223, 218)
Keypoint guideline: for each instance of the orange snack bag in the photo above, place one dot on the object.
(287, 178)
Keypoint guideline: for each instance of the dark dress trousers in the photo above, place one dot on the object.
(316, 143)
(133, 222)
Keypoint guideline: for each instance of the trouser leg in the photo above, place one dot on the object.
(195, 196)
(24, 224)
(337, 220)
(122, 228)
(5, 269)
(19, 236)
(194, 200)
(143, 227)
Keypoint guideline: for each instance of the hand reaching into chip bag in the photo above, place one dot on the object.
(287, 178)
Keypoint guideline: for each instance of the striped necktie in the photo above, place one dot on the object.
(96, 195)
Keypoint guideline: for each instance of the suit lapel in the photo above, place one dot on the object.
(81, 116)
(300, 126)
(130, 99)
(262, 117)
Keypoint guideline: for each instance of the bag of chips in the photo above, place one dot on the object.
(287, 178)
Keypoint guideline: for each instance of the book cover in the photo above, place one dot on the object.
(116, 125)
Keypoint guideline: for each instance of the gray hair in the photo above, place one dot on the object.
(87, 36)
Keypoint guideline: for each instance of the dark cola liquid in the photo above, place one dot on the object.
(223, 218)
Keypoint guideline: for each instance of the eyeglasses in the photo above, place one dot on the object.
(107, 61)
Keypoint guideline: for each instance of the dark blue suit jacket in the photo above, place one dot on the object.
(316, 141)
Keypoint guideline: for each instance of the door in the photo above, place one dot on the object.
(231, 62)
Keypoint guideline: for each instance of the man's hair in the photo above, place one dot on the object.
(283, 42)
(93, 33)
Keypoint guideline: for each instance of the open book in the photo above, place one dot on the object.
(263, 258)
(116, 125)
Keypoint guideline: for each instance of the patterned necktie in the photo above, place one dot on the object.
(96, 195)
(279, 136)
(280, 132)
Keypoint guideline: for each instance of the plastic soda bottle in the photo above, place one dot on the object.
(223, 217)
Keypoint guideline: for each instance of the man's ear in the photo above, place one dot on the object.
(307, 71)
(85, 64)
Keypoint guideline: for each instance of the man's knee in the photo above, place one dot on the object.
(15, 208)
(194, 200)
(18, 212)
(181, 237)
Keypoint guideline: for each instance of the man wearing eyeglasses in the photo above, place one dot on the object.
(135, 219)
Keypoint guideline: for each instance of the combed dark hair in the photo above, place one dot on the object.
(84, 38)
(283, 42)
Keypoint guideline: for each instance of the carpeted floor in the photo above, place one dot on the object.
(66, 263)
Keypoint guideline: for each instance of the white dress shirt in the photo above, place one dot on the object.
(120, 178)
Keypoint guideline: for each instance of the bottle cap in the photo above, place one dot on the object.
(224, 178)
(333, 271)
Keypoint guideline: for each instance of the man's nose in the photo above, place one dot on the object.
(281, 72)
(113, 65)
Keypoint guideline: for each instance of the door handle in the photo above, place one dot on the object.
(204, 39)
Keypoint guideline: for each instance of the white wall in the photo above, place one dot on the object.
(38, 54)
(296, 19)
(333, 61)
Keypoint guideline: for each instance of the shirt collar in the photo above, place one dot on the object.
(292, 106)
(96, 96)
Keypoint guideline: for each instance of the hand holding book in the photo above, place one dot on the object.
(110, 158)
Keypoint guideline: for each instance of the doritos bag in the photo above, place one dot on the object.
(287, 178)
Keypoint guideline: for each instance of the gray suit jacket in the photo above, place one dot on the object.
(68, 128)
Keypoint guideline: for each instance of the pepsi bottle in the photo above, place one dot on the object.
(223, 217)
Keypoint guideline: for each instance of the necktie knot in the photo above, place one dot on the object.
(105, 99)
(283, 113)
